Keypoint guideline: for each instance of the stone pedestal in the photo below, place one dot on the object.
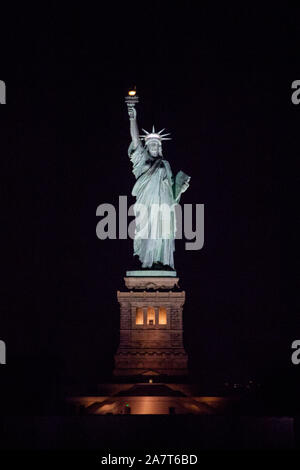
(151, 327)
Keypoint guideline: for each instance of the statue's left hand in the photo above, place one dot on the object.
(185, 186)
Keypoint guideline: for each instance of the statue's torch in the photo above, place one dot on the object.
(131, 99)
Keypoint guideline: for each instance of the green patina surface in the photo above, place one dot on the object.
(151, 273)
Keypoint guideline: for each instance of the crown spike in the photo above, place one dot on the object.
(154, 135)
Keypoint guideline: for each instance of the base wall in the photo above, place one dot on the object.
(151, 347)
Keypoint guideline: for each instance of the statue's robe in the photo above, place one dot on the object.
(155, 188)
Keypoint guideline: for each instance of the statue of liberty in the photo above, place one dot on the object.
(156, 190)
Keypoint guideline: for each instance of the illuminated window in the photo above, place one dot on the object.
(162, 316)
(139, 316)
(150, 316)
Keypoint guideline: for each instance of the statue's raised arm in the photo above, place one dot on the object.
(134, 131)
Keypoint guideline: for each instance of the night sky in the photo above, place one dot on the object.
(219, 79)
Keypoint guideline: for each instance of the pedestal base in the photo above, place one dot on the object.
(151, 329)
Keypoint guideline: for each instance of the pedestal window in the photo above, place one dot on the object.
(150, 316)
(139, 316)
(162, 316)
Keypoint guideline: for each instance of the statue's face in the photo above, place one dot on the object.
(153, 148)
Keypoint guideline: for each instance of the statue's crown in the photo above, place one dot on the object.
(154, 135)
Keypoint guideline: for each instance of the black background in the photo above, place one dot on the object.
(219, 79)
